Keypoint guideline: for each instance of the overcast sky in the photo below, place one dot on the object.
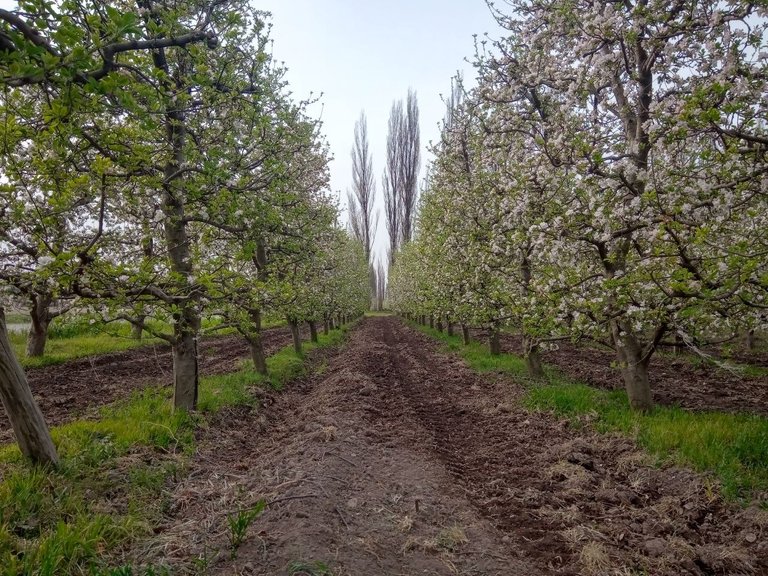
(363, 54)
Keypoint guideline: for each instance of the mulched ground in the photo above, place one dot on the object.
(683, 380)
(78, 388)
(397, 459)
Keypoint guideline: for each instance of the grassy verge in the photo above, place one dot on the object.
(733, 447)
(75, 339)
(60, 350)
(113, 484)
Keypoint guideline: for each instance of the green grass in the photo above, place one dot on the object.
(60, 350)
(112, 484)
(733, 447)
(106, 491)
(76, 338)
(477, 354)
(16, 317)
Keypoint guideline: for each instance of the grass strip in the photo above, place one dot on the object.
(733, 447)
(76, 338)
(114, 482)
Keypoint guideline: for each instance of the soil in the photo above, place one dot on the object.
(394, 458)
(684, 380)
(78, 388)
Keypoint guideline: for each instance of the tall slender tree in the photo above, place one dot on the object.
(401, 174)
(361, 198)
(391, 182)
(381, 285)
(363, 221)
(410, 162)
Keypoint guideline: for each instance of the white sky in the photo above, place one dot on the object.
(363, 54)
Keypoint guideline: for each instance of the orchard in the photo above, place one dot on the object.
(531, 342)
(605, 181)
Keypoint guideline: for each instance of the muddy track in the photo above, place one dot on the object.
(77, 388)
(397, 459)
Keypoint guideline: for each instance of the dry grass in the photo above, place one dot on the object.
(451, 538)
(594, 559)
(563, 515)
(581, 533)
(405, 524)
(573, 473)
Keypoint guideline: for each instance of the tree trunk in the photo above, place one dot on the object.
(532, 358)
(634, 368)
(465, 334)
(439, 323)
(679, 346)
(23, 412)
(296, 336)
(137, 329)
(36, 339)
(257, 354)
(749, 340)
(494, 342)
(449, 325)
(431, 321)
(312, 331)
(326, 325)
(185, 373)
(255, 342)
(178, 247)
(39, 314)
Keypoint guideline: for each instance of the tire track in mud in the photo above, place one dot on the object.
(343, 454)
(466, 437)
(559, 492)
(396, 459)
(79, 387)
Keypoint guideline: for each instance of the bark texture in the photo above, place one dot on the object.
(532, 356)
(40, 319)
(634, 368)
(495, 343)
(296, 336)
(23, 412)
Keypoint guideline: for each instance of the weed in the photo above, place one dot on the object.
(451, 539)
(315, 568)
(76, 337)
(203, 562)
(240, 521)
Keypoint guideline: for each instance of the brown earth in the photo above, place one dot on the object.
(397, 459)
(77, 388)
(684, 380)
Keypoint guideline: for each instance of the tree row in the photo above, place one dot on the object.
(605, 181)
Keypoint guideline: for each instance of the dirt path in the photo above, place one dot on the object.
(398, 460)
(75, 389)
